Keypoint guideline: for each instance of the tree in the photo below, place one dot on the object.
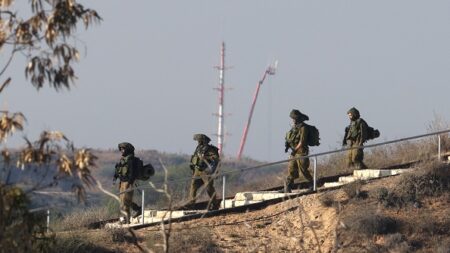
(46, 38)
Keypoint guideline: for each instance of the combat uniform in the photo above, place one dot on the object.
(297, 134)
(203, 164)
(356, 135)
(126, 174)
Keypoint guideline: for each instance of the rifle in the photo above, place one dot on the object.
(344, 141)
(286, 147)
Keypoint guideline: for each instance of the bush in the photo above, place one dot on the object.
(81, 218)
(397, 243)
(432, 180)
(121, 235)
(188, 240)
(74, 243)
(353, 190)
(327, 199)
(387, 198)
(370, 224)
(20, 230)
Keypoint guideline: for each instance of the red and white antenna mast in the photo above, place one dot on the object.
(269, 71)
(221, 89)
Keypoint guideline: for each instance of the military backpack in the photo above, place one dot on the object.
(313, 139)
(143, 172)
(372, 133)
(313, 135)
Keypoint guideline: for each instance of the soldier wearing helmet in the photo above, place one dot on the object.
(203, 164)
(296, 140)
(126, 175)
(355, 136)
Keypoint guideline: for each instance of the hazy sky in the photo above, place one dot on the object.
(147, 76)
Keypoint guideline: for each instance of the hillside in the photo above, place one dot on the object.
(407, 213)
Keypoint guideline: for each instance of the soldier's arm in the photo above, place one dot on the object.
(302, 142)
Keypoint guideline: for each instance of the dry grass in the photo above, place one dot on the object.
(430, 179)
(396, 243)
(327, 199)
(80, 242)
(353, 190)
(185, 240)
(81, 218)
(370, 223)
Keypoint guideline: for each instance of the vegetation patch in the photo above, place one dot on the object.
(353, 190)
(370, 224)
(326, 199)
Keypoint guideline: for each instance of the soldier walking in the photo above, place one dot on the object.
(355, 136)
(297, 141)
(203, 164)
(125, 172)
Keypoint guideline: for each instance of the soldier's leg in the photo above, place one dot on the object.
(292, 175)
(126, 200)
(350, 157)
(196, 183)
(358, 159)
(303, 166)
(209, 182)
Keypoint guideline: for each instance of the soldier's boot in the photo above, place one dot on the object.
(360, 166)
(310, 186)
(215, 204)
(189, 205)
(287, 187)
(137, 210)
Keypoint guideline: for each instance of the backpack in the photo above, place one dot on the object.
(143, 172)
(372, 133)
(313, 135)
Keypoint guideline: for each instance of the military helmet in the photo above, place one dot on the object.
(298, 116)
(201, 138)
(354, 112)
(126, 146)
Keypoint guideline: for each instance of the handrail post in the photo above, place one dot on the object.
(315, 174)
(223, 190)
(143, 204)
(48, 220)
(439, 147)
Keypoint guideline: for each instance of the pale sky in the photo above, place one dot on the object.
(147, 76)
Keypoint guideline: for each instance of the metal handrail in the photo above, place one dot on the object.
(306, 156)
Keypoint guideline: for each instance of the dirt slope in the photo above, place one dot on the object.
(309, 224)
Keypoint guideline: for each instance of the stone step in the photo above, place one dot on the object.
(229, 203)
(261, 196)
(174, 214)
(347, 179)
(333, 184)
(373, 173)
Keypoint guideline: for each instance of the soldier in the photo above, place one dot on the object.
(203, 164)
(125, 171)
(355, 136)
(296, 140)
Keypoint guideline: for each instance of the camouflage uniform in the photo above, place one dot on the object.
(124, 171)
(356, 135)
(203, 163)
(297, 135)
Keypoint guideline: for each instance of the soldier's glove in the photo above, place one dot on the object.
(286, 147)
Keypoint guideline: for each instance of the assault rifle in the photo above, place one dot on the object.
(344, 141)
